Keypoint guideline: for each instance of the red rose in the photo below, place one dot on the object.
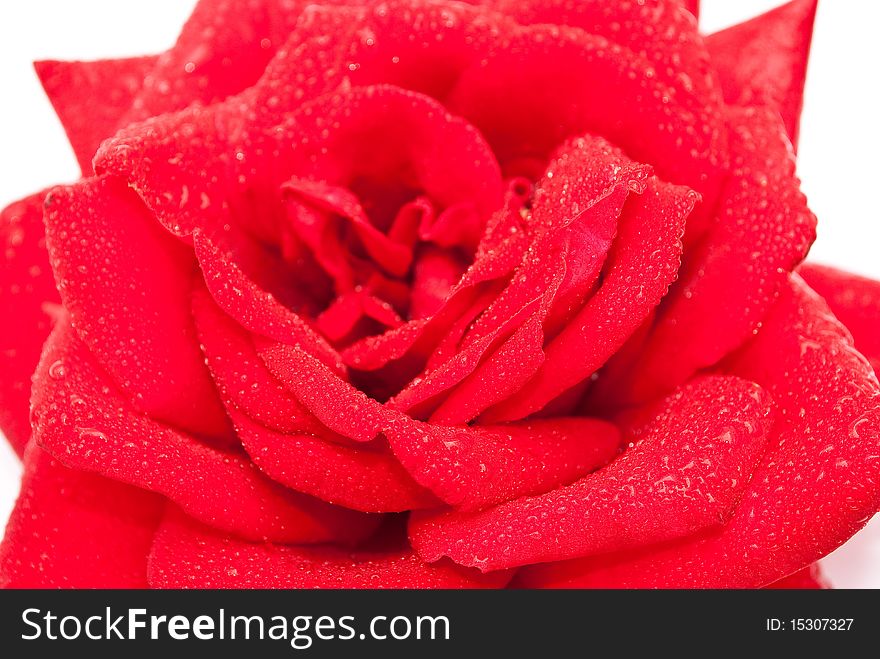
(428, 294)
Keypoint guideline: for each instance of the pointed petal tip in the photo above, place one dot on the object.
(763, 61)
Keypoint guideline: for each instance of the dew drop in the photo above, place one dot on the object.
(57, 370)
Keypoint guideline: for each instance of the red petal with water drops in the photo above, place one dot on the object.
(573, 221)
(257, 309)
(472, 467)
(27, 288)
(817, 484)
(241, 376)
(413, 44)
(764, 61)
(73, 87)
(500, 375)
(72, 529)
(729, 284)
(814, 487)
(181, 164)
(99, 431)
(423, 149)
(641, 266)
(312, 205)
(673, 45)
(223, 49)
(575, 211)
(334, 401)
(369, 479)
(124, 282)
(497, 350)
(854, 300)
(188, 555)
(591, 90)
(688, 466)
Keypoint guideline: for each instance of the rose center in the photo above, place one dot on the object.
(387, 199)
(390, 252)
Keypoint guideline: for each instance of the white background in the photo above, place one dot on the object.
(838, 156)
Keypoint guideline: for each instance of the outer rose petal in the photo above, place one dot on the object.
(125, 283)
(243, 380)
(188, 555)
(691, 461)
(26, 285)
(71, 529)
(84, 420)
(854, 300)
(815, 486)
(73, 88)
(764, 61)
(223, 49)
(415, 44)
(673, 45)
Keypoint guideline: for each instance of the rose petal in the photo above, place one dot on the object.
(673, 45)
(223, 48)
(689, 466)
(418, 45)
(331, 200)
(421, 144)
(854, 300)
(435, 274)
(366, 479)
(240, 296)
(26, 287)
(727, 287)
(591, 90)
(241, 376)
(334, 401)
(472, 467)
(500, 375)
(764, 60)
(430, 341)
(576, 208)
(72, 529)
(84, 420)
(497, 350)
(73, 87)
(815, 485)
(643, 263)
(188, 555)
(184, 191)
(123, 280)
(693, 6)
